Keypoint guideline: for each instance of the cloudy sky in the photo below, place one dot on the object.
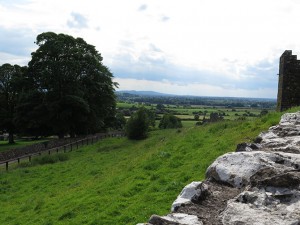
(190, 47)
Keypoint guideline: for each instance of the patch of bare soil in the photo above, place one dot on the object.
(209, 208)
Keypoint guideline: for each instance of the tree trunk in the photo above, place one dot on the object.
(11, 138)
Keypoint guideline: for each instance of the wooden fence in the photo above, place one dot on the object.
(63, 148)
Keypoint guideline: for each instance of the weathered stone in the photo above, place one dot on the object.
(262, 207)
(247, 147)
(175, 219)
(190, 193)
(283, 137)
(288, 81)
(236, 168)
(276, 178)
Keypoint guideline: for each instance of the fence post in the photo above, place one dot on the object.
(18, 160)
(49, 152)
(29, 158)
(57, 150)
(6, 166)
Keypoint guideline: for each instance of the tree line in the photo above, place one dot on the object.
(188, 101)
(65, 89)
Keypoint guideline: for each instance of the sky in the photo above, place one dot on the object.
(185, 47)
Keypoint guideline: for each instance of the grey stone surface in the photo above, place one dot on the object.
(175, 219)
(236, 169)
(190, 193)
(283, 137)
(263, 207)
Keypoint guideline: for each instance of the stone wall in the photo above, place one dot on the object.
(257, 184)
(288, 82)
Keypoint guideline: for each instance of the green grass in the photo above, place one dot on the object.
(184, 112)
(118, 181)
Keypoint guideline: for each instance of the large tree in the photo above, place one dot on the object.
(76, 88)
(10, 89)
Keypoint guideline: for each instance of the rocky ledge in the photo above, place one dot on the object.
(257, 184)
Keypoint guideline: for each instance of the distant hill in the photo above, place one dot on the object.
(134, 93)
(143, 93)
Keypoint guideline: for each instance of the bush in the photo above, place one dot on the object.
(169, 121)
(137, 126)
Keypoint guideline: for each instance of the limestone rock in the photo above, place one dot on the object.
(190, 193)
(236, 169)
(283, 137)
(247, 147)
(175, 219)
(263, 207)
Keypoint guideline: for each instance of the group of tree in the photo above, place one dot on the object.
(65, 89)
(169, 121)
(188, 101)
(140, 122)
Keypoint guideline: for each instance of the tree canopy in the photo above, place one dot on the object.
(169, 121)
(138, 125)
(67, 89)
(10, 89)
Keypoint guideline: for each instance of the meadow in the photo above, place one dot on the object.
(187, 113)
(119, 181)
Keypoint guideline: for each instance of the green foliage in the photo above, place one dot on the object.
(169, 121)
(120, 181)
(70, 90)
(119, 121)
(10, 90)
(138, 125)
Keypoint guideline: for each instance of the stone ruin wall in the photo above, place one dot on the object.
(289, 81)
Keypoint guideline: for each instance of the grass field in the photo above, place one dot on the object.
(118, 181)
(187, 113)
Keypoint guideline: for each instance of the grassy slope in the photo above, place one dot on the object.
(118, 181)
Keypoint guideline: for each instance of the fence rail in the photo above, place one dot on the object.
(65, 148)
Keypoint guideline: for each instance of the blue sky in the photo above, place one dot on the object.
(190, 47)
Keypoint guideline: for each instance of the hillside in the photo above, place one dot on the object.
(118, 181)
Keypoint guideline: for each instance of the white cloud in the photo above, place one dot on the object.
(77, 21)
(228, 38)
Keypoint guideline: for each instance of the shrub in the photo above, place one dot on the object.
(170, 121)
(137, 126)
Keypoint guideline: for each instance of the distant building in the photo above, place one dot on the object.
(289, 81)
